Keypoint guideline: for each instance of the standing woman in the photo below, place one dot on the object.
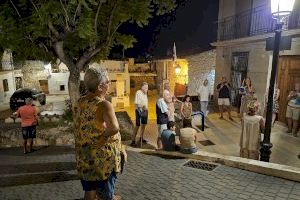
(246, 91)
(28, 114)
(275, 109)
(170, 101)
(97, 139)
(252, 126)
(186, 111)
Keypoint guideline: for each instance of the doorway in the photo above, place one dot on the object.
(288, 76)
(44, 86)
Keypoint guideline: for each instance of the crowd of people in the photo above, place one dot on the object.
(165, 119)
(251, 113)
(99, 152)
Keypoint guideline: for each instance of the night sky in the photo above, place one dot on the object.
(191, 25)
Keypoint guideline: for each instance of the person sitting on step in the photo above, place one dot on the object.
(168, 137)
(188, 140)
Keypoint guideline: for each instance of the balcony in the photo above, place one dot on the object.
(253, 22)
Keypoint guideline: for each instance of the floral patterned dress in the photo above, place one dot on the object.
(97, 156)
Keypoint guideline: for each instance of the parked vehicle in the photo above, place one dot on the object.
(18, 98)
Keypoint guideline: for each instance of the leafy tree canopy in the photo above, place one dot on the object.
(75, 31)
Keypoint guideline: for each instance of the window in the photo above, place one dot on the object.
(62, 87)
(5, 85)
(239, 69)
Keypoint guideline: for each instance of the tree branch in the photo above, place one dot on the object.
(59, 51)
(87, 57)
(110, 21)
(66, 15)
(36, 9)
(96, 17)
(78, 9)
(53, 30)
(15, 8)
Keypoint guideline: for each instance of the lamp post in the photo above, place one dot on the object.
(281, 10)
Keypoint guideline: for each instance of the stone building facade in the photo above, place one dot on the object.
(241, 46)
(201, 66)
(194, 69)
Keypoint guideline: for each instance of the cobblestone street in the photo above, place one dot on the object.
(49, 173)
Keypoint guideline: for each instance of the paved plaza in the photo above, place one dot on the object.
(49, 173)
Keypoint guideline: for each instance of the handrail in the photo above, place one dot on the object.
(202, 120)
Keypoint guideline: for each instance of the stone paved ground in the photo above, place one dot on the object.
(49, 174)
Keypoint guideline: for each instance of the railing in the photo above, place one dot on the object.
(252, 22)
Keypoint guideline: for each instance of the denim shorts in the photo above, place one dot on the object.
(105, 189)
(141, 118)
(29, 132)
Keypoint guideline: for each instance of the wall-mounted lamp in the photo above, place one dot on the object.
(177, 70)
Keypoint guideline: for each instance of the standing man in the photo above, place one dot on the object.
(293, 110)
(28, 114)
(141, 112)
(162, 116)
(224, 97)
(204, 96)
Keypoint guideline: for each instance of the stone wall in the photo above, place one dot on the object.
(138, 80)
(200, 67)
(6, 76)
(33, 71)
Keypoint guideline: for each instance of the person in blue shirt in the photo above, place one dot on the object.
(168, 137)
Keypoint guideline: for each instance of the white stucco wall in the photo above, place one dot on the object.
(56, 80)
(114, 69)
(9, 76)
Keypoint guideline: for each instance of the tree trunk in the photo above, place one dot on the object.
(74, 83)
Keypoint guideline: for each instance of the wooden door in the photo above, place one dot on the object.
(44, 86)
(288, 76)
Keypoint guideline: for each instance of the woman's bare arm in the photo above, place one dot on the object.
(181, 110)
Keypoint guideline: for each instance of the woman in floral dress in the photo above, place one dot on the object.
(97, 139)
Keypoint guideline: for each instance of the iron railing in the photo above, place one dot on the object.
(252, 22)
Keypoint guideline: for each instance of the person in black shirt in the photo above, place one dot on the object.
(224, 97)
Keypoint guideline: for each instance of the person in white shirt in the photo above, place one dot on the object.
(141, 112)
(204, 96)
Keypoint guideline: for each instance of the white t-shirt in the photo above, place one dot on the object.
(204, 92)
(141, 99)
(162, 105)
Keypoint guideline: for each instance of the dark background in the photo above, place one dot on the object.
(191, 26)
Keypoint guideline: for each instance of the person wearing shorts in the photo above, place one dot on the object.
(293, 110)
(28, 114)
(224, 97)
(141, 112)
(162, 116)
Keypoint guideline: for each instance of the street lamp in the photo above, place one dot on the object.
(281, 9)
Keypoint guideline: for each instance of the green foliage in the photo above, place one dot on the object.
(87, 28)
(73, 31)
